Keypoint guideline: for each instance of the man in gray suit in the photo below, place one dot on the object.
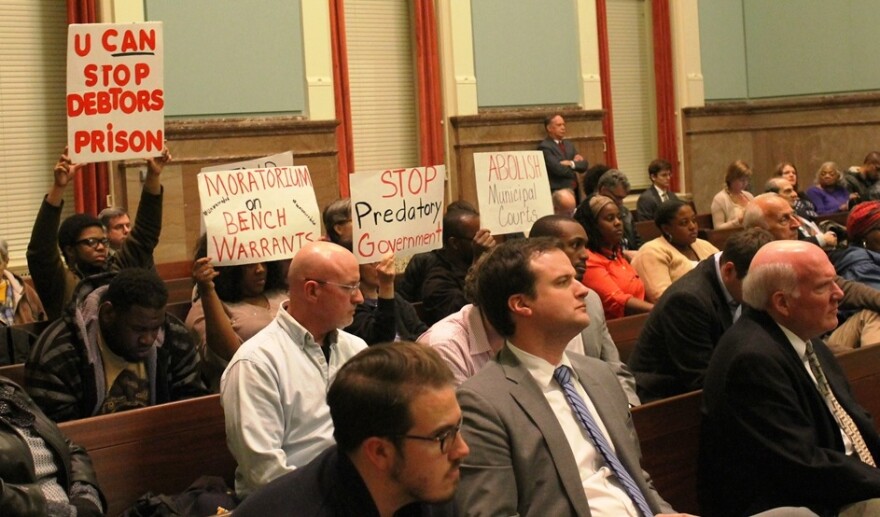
(549, 433)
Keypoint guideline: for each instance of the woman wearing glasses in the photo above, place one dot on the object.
(233, 304)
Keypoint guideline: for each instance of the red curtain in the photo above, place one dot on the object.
(344, 141)
(91, 185)
(667, 145)
(605, 73)
(428, 71)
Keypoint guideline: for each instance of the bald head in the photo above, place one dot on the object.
(323, 277)
(773, 213)
(783, 187)
(794, 282)
(564, 202)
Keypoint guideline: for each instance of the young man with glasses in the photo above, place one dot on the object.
(82, 240)
(398, 446)
(274, 390)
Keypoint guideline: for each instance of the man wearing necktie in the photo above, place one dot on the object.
(562, 159)
(780, 427)
(549, 432)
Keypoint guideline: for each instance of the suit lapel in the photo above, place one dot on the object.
(528, 395)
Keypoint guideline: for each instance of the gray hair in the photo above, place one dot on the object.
(612, 178)
(753, 215)
(110, 213)
(764, 280)
(831, 165)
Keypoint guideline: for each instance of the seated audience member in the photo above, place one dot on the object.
(591, 178)
(398, 447)
(549, 432)
(82, 240)
(860, 262)
(608, 271)
(614, 185)
(663, 260)
(807, 229)
(564, 164)
(274, 390)
(861, 180)
(233, 304)
(660, 173)
(729, 204)
(42, 473)
(337, 222)
(117, 225)
(115, 349)
(829, 194)
(467, 341)
(680, 335)
(19, 302)
(383, 315)
(780, 426)
(564, 202)
(463, 243)
(803, 207)
(417, 268)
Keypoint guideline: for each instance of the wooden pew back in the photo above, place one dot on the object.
(161, 449)
(625, 333)
(13, 372)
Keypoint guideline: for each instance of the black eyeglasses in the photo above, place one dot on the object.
(445, 439)
(93, 242)
(351, 288)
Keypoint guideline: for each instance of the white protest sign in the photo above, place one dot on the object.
(258, 215)
(398, 211)
(512, 189)
(115, 95)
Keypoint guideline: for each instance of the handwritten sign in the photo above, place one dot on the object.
(512, 189)
(284, 159)
(115, 96)
(258, 215)
(398, 211)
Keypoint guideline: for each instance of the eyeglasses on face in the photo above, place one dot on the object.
(93, 242)
(351, 288)
(445, 439)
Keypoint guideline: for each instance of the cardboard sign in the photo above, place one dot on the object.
(284, 159)
(258, 215)
(398, 211)
(513, 190)
(115, 96)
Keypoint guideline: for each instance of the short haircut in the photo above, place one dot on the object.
(591, 178)
(111, 212)
(741, 248)
(4, 250)
(831, 166)
(456, 212)
(667, 210)
(772, 185)
(136, 287)
(337, 212)
(548, 226)
(227, 284)
(753, 215)
(549, 118)
(73, 226)
(657, 166)
(873, 158)
(505, 271)
(767, 279)
(737, 170)
(612, 179)
(372, 392)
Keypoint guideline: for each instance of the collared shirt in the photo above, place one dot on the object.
(604, 492)
(274, 396)
(660, 192)
(800, 347)
(735, 306)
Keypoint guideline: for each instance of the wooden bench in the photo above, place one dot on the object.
(161, 449)
(625, 333)
(16, 341)
(719, 237)
(647, 230)
(837, 217)
(13, 372)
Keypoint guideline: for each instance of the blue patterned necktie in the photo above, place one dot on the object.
(562, 375)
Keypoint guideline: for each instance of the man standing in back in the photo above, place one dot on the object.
(563, 162)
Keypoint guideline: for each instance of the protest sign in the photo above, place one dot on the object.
(258, 215)
(512, 189)
(115, 96)
(398, 211)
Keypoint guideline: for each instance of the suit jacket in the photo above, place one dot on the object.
(768, 438)
(520, 461)
(648, 202)
(681, 332)
(561, 176)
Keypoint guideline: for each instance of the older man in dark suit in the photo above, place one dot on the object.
(780, 426)
(560, 156)
(549, 432)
